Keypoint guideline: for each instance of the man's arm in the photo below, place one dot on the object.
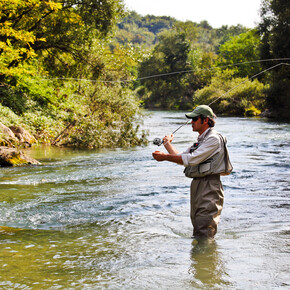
(172, 155)
(168, 146)
(161, 156)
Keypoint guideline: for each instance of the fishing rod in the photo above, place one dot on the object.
(159, 141)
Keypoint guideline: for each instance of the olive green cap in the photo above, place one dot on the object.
(201, 110)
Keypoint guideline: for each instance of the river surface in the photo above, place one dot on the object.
(117, 219)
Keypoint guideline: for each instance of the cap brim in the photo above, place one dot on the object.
(191, 115)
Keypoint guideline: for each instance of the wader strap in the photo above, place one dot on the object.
(226, 155)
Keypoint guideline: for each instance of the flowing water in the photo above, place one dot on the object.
(117, 219)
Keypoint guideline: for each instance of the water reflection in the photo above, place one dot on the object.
(207, 265)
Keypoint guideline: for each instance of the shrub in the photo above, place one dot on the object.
(13, 98)
(233, 96)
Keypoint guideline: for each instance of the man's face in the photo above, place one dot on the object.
(195, 123)
(198, 125)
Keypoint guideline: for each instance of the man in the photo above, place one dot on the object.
(204, 162)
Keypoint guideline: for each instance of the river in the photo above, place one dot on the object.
(117, 219)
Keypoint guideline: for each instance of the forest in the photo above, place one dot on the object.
(81, 73)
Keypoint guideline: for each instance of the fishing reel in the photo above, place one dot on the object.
(158, 141)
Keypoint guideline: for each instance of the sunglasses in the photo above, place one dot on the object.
(194, 119)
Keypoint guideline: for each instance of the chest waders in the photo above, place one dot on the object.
(206, 191)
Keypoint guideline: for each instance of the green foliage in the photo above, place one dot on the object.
(233, 96)
(275, 33)
(189, 28)
(63, 79)
(139, 29)
(185, 49)
(209, 39)
(178, 70)
(145, 30)
(131, 33)
(48, 91)
(28, 27)
(110, 114)
(243, 48)
(17, 19)
(202, 68)
(170, 55)
(225, 33)
(8, 117)
(82, 114)
(13, 99)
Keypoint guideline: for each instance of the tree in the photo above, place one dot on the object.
(169, 59)
(67, 42)
(142, 30)
(275, 33)
(28, 27)
(225, 33)
(187, 27)
(243, 48)
(179, 69)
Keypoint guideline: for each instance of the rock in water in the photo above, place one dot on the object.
(14, 157)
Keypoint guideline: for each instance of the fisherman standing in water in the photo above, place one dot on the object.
(204, 162)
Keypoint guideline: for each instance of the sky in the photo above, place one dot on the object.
(215, 12)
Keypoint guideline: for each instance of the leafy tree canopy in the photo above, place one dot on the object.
(275, 33)
(243, 48)
(31, 26)
(67, 42)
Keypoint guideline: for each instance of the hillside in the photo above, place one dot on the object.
(144, 30)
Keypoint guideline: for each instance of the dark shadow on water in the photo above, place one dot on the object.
(207, 267)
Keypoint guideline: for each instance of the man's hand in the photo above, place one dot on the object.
(159, 156)
(168, 139)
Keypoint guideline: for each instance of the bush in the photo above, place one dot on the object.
(13, 98)
(233, 96)
(111, 120)
(8, 117)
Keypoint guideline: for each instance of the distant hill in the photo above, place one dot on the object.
(143, 30)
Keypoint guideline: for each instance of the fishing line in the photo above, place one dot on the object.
(261, 72)
(159, 141)
(170, 73)
(213, 68)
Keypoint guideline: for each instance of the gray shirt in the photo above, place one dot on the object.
(207, 148)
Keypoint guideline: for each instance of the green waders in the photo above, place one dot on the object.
(206, 203)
